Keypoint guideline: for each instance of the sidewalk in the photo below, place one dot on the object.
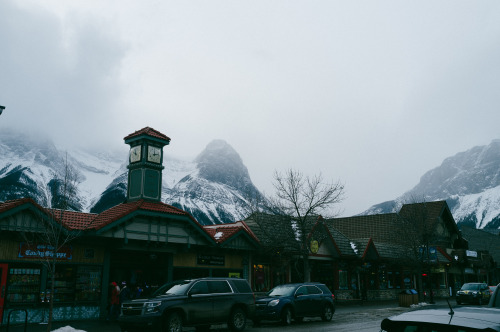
(103, 326)
(86, 325)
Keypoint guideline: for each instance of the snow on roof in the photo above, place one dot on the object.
(353, 246)
(68, 329)
(218, 235)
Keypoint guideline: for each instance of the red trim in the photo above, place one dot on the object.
(3, 285)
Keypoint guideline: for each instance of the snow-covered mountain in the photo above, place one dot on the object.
(469, 181)
(214, 188)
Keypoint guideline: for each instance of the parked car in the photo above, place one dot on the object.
(492, 289)
(473, 292)
(444, 319)
(295, 301)
(495, 298)
(198, 302)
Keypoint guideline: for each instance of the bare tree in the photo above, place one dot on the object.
(49, 240)
(303, 199)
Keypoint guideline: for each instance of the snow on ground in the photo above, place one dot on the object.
(67, 329)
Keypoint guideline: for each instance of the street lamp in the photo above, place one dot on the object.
(1, 109)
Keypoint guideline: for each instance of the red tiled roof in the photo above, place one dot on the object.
(121, 210)
(222, 234)
(74, 220)
(148, 131)
(7, 205)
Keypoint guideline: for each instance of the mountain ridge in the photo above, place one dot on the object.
(470, 183)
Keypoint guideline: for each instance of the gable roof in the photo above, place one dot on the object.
(226, 231)
(481, 240)
(81, 221)
(341, 242)
(379, 227)
(125, 209)
(224, 234)
(11, 204)
(433, 210)
(272, 230)
(147, 131)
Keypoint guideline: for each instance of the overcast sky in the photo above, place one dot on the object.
(371, 93)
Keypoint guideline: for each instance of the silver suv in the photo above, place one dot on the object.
(197, 302)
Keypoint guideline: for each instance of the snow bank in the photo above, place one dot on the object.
(68, 329)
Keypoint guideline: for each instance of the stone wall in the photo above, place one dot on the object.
(40, 315)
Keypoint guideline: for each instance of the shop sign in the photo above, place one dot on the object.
(471, 253)
(314, 246)
(36, 250)
(211, 260)
(468, 270)
(437, 270)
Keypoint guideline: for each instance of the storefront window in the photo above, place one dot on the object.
(393, 279)
(75, 284)
(343, 279)
(23, 285)
(261, 277)
(88, 284)
(64, 285)
(441, 280)
(383, 279)
(372, 281)
(407, 280)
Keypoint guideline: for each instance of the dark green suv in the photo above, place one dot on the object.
(197, 302)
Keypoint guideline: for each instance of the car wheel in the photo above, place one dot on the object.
(237, 320)
(172, 323)
(286, 316)
(327, 314)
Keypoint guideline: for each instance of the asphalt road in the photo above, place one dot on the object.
(363, 318)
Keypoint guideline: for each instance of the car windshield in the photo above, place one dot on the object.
(282, 291)
(173, 288)
(470, 287)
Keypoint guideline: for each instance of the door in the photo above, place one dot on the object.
(222, 299)
(315, 301)
(302, 302)
(199, 305)
(3, 286)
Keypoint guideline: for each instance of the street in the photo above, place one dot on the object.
(346, 318)
(350, 318)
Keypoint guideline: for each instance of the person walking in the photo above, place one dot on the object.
(125, 294)
(114, 309)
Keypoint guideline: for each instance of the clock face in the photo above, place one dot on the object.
(135, 154)
(154, 154)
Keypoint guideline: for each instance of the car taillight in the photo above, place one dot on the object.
(333, 297)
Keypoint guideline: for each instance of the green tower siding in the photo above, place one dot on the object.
(135, 183)
(152, 184)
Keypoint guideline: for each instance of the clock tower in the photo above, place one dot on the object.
(145, 164)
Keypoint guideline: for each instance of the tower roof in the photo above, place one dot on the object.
(147, 131)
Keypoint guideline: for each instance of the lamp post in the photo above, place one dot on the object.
(1, 109)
